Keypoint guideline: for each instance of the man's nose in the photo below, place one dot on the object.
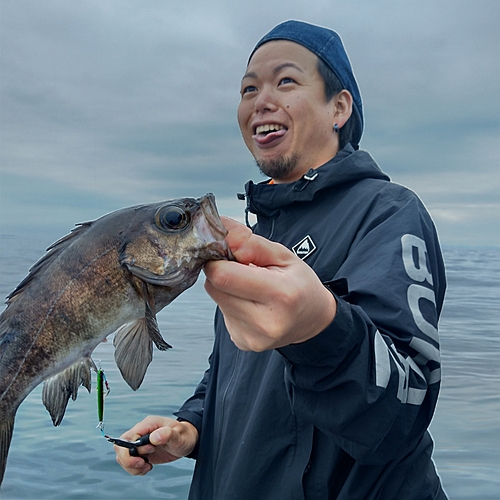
(266, 100)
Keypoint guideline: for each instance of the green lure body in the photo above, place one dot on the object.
(102, 391)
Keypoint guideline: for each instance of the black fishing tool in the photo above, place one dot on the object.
(132, 445)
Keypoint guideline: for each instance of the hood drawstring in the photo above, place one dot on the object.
(242, 196)
(308, 177)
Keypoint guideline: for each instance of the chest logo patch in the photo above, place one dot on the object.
(304, 248)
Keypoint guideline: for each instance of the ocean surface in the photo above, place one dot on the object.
(73, 461)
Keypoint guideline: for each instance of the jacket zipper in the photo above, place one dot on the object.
(223, 405)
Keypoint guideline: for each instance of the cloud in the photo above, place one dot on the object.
(464, 204)
(109, 104)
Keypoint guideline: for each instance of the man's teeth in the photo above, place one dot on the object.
(262, 129)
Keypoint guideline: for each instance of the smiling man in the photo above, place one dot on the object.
(325, 370)
(286, 121)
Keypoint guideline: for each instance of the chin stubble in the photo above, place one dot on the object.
(279, 167)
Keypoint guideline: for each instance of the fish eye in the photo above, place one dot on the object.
(172, 218)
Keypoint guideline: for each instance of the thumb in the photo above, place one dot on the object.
(249, 248)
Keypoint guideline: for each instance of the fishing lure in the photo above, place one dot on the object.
(102, 391)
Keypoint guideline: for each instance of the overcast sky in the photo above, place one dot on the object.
(106, 104)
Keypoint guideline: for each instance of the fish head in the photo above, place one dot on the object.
(168, 243)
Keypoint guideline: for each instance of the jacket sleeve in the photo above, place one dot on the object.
(371, 379)
(192, 410)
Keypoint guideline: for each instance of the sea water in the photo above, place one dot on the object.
(74, 461)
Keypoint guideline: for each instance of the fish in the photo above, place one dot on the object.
(110, 275)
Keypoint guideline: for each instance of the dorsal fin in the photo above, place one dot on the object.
(53, 251)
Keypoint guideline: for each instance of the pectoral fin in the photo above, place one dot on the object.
(58, 389)
(133, 351)
(134, 343)
(152, 324)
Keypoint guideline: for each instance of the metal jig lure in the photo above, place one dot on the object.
(102, 391)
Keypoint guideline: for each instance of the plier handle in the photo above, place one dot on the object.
(131, 445)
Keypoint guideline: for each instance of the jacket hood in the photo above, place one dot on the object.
(347, 166)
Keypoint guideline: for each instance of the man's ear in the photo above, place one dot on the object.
(343, 107)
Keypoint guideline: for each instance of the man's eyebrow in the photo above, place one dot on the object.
(276, 70)
(250, 74)
(280, 67)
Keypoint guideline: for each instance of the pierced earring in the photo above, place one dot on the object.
(336, 128)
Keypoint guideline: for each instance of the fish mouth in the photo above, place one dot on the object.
(212, 217)
(214, 231)
(171, 279)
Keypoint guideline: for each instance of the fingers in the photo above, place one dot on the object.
(246, 282)
(136, 466)
(177, 440)
(169, 440)
(268, 296)
(249, 248)
(266, 308)
(262, 260)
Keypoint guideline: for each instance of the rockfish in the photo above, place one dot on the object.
(110, 275)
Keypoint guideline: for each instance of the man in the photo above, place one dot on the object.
(325, 370)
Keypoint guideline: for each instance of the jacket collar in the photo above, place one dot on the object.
(347, 166)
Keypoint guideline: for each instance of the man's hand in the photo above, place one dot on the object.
(269, 297)
(170, 440)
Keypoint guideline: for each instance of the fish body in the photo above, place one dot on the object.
(109, 275)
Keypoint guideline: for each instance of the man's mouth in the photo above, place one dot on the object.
(265, 134)
(268, 127)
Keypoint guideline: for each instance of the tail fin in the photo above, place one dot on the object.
(6, 428)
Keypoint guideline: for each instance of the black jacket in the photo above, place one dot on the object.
(344, 415)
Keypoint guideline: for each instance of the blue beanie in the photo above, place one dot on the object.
(327, 45)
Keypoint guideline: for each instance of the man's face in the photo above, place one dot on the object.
(284, 118)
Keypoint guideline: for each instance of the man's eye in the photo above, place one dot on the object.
(248, 88)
